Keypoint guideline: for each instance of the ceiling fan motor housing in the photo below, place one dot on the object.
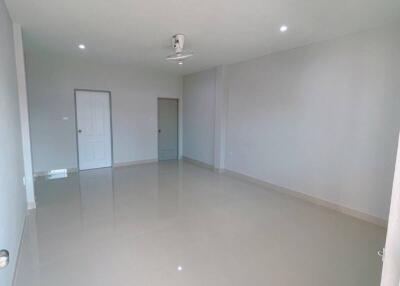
(180, 54)
(178, 41)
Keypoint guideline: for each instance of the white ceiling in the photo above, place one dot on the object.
(218, 31)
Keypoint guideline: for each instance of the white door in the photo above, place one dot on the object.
(391, 262)
(167, 129)
(93, 129)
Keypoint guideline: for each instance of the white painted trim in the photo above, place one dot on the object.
(391, 258)
(132, 163)
(197, 163)
(31, 206)
(46, 173)
(24, 116)
(115, 165)
(317, 201)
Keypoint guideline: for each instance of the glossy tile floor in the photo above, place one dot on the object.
(174, 223)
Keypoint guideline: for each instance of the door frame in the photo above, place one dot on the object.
(391, 251)
(177, 126)
(76, 123)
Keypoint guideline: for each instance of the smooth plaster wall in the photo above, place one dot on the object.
(12, 191)
(51, 82)
(321, 119)
(199, 115)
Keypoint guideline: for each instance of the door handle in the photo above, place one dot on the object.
(159, 130)
(79, 130)
(4, 258)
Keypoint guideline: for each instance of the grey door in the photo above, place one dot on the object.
(167, 129)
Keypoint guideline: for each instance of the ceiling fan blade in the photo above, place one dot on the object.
(178, 57)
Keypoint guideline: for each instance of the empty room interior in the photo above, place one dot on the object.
(199, 143)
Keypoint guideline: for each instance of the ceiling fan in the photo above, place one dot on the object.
(180, 54)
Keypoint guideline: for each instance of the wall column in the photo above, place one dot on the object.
(221, 105)
(24, 116)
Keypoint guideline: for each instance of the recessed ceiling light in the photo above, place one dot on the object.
(82, 46)
(180, 63)
(179, 268)
(283, 28)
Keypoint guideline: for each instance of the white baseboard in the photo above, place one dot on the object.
(317, 201)
(219, 170)
(31, 205)
(321, 202)
(115, 165)
(46, 173)
(132, 163)
(334, 206)
(198, 163)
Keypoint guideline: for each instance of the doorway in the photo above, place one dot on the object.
(93, 129)
(168, 129)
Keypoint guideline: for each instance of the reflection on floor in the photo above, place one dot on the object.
(173, 223)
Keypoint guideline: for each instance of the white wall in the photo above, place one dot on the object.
(12, 191)
(322, 119)
(199, 116)
(51, 82)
